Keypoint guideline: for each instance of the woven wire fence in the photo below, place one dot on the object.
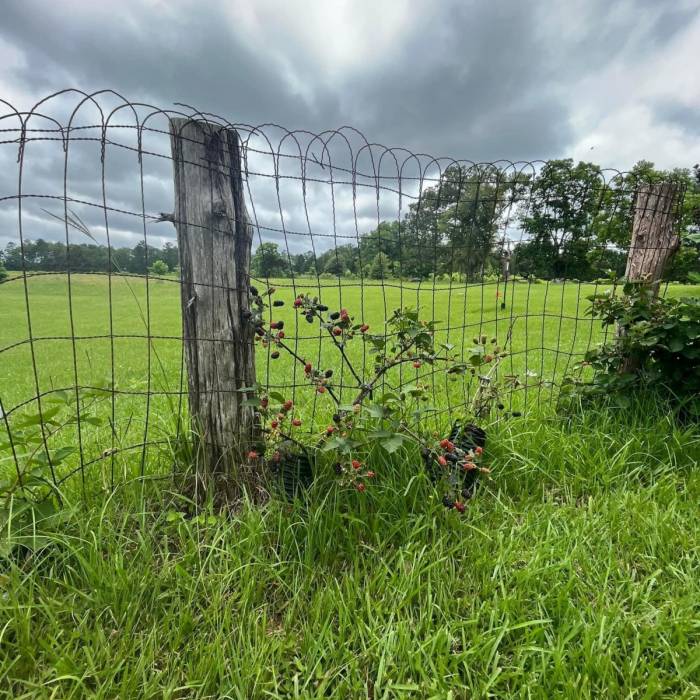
(93, 382)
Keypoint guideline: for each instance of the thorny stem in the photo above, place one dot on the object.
(367, 388)
(285, 436)
(300, 359)
(340, 347)
(485, 380)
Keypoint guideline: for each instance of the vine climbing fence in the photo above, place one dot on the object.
(110, 343)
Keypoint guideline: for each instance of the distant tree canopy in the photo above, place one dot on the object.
(571, 220)
(579, 226)
(49, 256)
(268, 261)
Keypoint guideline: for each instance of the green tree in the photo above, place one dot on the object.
(334, 266)
(380, 268)
(268, 261)
(159, 269)
(563, 202)
(170, 255)
(453, 227)
(303, 263)
(3, 272)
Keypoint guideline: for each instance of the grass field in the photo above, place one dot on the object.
(574, 573)
(126, 331)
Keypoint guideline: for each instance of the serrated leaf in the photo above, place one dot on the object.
(393, 443)
(376, 410)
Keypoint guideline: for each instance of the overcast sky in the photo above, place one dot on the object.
(611, 82)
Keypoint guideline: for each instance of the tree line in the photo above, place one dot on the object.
(50, 256)
(564, 221)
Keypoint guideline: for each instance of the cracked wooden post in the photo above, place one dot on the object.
(654, 242)
(655, 236)
(214, 237)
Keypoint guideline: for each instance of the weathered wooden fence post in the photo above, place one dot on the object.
(214, 237)
(655, 237)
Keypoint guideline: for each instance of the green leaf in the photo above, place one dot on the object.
(393, 443)
(36, 418)
(376, 410)
(61, 453)
(676, 344)
(341, 444)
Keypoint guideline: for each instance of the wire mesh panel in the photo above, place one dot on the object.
(93, 381)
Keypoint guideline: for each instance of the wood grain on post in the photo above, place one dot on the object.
(654, 235)
(214, 237)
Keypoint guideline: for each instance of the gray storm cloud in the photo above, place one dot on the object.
(472, 80)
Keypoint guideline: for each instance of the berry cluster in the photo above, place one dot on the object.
(495, 353)
(274, 334)
(340, 324)
(453, 460)
(354, 473)
(385, 419)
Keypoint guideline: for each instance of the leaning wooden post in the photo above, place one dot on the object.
(654, 241)
(214, 236)
(655, 237)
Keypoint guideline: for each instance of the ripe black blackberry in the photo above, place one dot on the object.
(448, 502)
(335, 315)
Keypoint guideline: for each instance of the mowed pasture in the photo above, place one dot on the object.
(57, 332)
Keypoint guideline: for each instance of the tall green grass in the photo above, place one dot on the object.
(574, 573)
(128, 329)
